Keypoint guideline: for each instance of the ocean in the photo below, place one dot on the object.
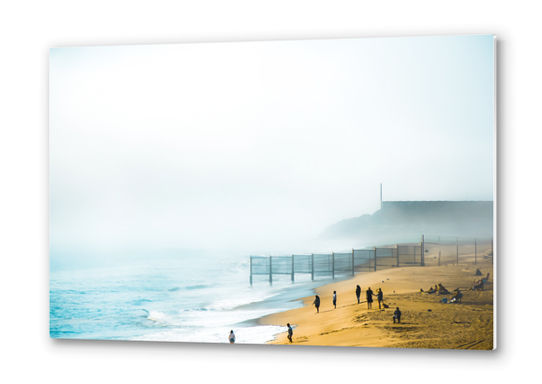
(177, 299)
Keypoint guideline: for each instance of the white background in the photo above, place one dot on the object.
(27, 31)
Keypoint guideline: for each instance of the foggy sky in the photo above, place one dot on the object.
(259, 146)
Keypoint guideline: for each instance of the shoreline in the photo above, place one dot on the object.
(426, 321)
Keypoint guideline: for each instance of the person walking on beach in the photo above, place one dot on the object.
(317, 303)
(232, 337)
(380, 297)
(358, 292)
(397, 315)
(290, 332)
(369, 294)
(335, 299)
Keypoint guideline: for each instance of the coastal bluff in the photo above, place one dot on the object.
(411, 218)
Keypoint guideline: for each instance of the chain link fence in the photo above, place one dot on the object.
(432, 250)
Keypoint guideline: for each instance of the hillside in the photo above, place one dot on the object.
(410, 219)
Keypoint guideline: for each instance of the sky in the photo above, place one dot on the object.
(257, 147)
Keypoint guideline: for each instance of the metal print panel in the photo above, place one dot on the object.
(321, 192)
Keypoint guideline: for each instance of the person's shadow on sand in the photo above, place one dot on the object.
(329, 310)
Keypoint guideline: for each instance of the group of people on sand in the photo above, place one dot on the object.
(368, 295)
(439, 290)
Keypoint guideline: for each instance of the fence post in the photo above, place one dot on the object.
(475, 262)
(423, 252)
(270, 269)
(457, 254)
(312, 266)
(250, 270)
(374, 250)
(439, 258)
(293, 268)
(397, 250)
(353, 262)
(332, 265)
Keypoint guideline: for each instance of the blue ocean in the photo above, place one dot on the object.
(182, 299)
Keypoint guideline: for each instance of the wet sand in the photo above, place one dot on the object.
(426, 321)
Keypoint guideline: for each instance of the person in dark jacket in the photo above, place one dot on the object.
(290, 332)
(397, 315)
(317, 303)
(369, 294)
(380, 297)
(335, 299)
(358, 292)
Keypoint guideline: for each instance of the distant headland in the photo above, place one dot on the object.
(401, 219)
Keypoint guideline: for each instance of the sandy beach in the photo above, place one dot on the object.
(426, 321)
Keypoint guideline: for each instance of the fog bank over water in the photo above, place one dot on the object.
(249, 148)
